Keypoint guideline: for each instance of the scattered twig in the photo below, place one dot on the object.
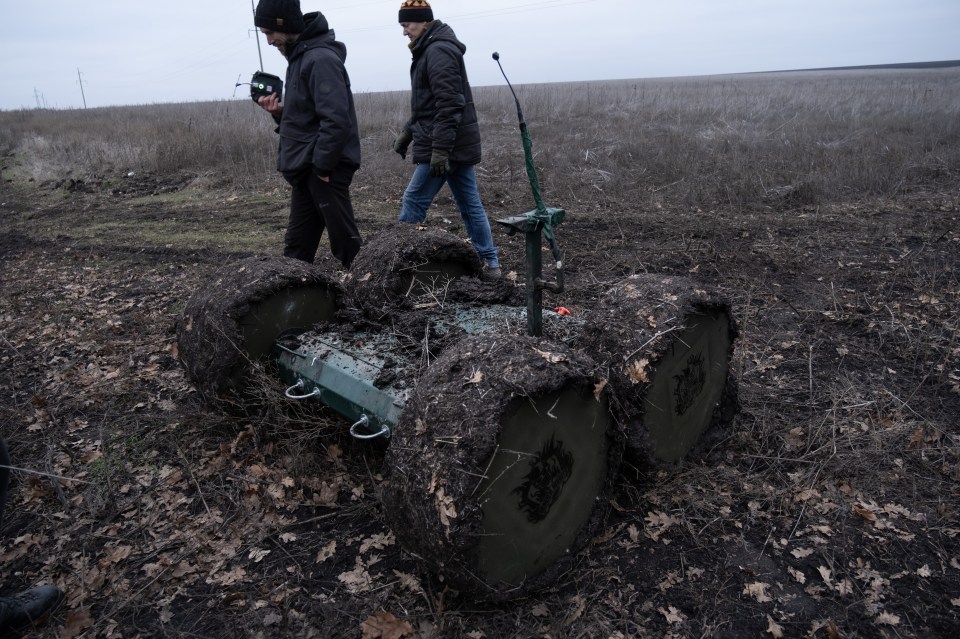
(29, 471)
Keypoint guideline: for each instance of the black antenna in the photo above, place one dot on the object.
(256, 33)
(523, 124)
(527, 143)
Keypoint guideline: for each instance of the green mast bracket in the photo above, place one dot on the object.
(533, 225)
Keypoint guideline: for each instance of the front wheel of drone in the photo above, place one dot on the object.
(501, 463)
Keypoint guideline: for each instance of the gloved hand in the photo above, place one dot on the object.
(402, 142)
(439, 163)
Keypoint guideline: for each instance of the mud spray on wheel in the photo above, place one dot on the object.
(505, 424)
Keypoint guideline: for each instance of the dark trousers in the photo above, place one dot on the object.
(316, 205)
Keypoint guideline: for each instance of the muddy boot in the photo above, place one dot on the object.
(490, 273)
(28, 609)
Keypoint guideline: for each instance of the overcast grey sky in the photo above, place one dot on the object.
(138, 52)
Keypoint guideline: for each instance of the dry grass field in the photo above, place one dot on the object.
(825, 206)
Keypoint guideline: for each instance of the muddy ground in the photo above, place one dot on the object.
(829, 509)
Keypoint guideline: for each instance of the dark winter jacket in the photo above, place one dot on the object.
(318, 124)
(442, 112)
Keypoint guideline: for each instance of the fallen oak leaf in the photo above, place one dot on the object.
(384, 625)
(598, 389)
(77, 622)
(118, 554)
(774, 629)
(826, 574)
(865, 512)
(91, 456)
(758, 591)
(553, 358)
(378, 541)
(326, 552)
(580, 604)
(357, 580)
(409, 581)
(888, 619)
(661, 522)
(672, 615)
(832, 631)
(637, 371)
(445, 507)
(258, 554)
(797, 575)
(272, 618)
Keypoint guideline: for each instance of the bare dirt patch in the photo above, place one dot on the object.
(829, 509)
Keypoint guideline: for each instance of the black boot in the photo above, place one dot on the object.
(29, 608)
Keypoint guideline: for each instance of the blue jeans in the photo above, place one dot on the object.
(462, 179)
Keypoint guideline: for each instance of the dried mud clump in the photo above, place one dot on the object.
(407, 266)
(214, 347)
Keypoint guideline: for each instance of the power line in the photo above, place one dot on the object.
(543, 5)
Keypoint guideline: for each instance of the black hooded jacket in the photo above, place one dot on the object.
(318, 124)
(442, 112)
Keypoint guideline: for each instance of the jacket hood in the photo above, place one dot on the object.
(318, 34)
(438, 32)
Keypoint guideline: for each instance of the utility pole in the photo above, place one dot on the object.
(256, 34)
(36, 96)
(80, 79)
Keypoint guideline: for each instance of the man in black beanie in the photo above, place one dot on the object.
(319, 136)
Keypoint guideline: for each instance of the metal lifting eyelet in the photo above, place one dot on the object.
(364, 421)
(289, 392)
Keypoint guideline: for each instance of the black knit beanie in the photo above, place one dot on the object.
(416, 11)
(279, 15)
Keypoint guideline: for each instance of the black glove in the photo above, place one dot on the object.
(402, 142)
(439, 163)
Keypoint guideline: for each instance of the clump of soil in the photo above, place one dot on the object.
(382, 276)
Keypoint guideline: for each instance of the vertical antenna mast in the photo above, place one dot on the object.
(256, 33)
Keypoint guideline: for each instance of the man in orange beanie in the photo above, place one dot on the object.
(443, 129)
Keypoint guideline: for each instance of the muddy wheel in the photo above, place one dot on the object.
(408, 265)
(234, 319)
(500, 464)
(667, 344)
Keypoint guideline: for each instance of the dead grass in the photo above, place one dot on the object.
(735, 141)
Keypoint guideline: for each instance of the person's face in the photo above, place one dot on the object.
(282, 41)
(413, 30)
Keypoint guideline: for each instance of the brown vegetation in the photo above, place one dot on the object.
(824, 206)
(731, 141)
